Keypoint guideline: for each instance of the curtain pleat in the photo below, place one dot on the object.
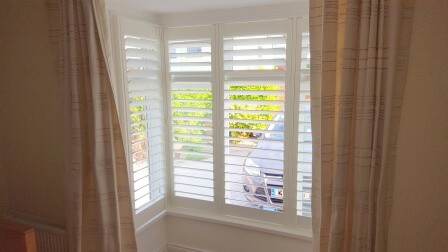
(99, 209)
(359, 52)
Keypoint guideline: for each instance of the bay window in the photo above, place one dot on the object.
(218, 119)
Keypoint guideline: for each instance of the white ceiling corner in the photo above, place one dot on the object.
(185, 6)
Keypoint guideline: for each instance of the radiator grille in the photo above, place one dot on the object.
(49, 239)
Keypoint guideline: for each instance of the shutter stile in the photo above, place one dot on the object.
(304, 155)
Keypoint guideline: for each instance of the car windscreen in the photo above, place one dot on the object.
(276, 135)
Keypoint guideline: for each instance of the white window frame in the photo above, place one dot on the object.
(186, 33)
(125, 26)
(288, 220)
(289, 217)
(249, 29)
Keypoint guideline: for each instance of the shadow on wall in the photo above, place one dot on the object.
(31, 136)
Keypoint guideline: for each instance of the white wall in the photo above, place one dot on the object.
(419, 219)
(153, 238)
(31, 141)
(4, 202)
(31, 137)
(208, 236)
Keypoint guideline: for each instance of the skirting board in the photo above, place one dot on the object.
(163, 248)
(180, 248)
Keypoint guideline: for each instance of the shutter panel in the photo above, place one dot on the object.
(254, 103)
(190, 74)
(304, 158)
(145, 101)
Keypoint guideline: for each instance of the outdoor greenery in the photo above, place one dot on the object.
(245, 116)
(202, 99)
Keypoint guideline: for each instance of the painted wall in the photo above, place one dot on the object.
(4, 202)
(207, 236)
(419, 219)
(31, 137)
(153, 238)
(31, 142)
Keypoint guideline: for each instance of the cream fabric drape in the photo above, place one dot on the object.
(359, 52)
(99, 209)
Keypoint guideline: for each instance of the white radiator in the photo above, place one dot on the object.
(49, 239)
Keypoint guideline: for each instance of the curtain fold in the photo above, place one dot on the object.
(99, 208)
(359, 54)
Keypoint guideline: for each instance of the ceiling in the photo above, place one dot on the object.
(179, 6)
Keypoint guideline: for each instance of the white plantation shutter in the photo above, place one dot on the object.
(190, 76)
(304, 176)
(146, 116)
(227, 109)
(254, 62)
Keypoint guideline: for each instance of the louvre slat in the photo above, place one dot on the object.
(193, 118)
(193, 84)
(257, 62)
(186, 184)
(253, 130)
(189, 55)
(253, 102)
(248, 121)
(238, 201)
(207, 102)
(191, 92)
(193, 144)
(255, 52)
(254, 41)
(204, 164)
(254, 112)
(142, 63)
(258, 92)
(255, 140)
(192, 136)
(155, 114)
(142, 43)
(156, 123)
(237, 149)
(154, 104)
(254, 75)
(192, 127)
(189, 109)
(231, 184)
(142, 53)
(149, 94)
(231, 175)
(253, 83)
(142, 84)
(143, 74)
(191, 73)
(186, 44)
(190, 64)
(193, 173)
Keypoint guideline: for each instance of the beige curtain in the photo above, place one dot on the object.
(99, 209)
(359, 52)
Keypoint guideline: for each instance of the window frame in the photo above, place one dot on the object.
(249, 29)
(186, 33)
(218, 208)
(125, 26)
(289, 217)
